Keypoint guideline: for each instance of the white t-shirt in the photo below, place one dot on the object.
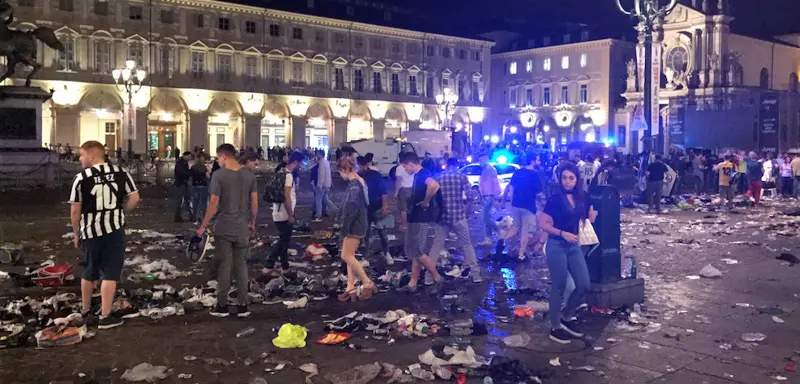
(406, 180)
(278, 209)
(588, 170)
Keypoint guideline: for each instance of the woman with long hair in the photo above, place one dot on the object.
(564, 214)
(353, 221)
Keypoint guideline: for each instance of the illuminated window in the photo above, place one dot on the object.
(529, 66)
(546, 97)
(584, 60)
(546, 64)
(584, 93)
(512, 69)
(512, 98)
(564, 95)
(565, 62)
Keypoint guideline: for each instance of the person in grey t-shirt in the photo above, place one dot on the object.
(234, 201)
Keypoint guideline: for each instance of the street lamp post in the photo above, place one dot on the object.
(130, 78)
(650, 14)
(446, 101)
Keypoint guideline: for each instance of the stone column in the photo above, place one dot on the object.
(252, 131)
(297, 132)
(198, 130)
(139, 142)
(67, 126)
(378, 127)
(339, 133)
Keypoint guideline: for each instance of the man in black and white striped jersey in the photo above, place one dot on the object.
(98, 220)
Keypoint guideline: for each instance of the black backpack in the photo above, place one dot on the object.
(273, 193)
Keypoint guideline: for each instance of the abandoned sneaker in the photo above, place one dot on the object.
(571, 326)
(109, 322)
(560, 336)
(220, 311)
(389, 259)
(242, 311)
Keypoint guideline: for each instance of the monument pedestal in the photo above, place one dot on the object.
(621, 293)
(23, 160)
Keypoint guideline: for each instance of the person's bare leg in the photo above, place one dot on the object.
(403, 219)
(354, 268)
(107, 290)
(416, 268)
(351, 279)
(523, 242)
(427, 262)
(87, 289)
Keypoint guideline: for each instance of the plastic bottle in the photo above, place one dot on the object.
(245, 332)
(633, 268)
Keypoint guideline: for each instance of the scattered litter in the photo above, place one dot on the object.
(710, 272)
(729, 261)
(672, 333)
(419, 373)
(299, 303)
(311, 369)
(792, 259)
(523, 311)
(555, 362)
(777, 320)
(517, 341)
(146, 372)
(333, 338)
(453, 356)
(587, 368)
(743, 305)
(184, 375)
(276, 368)
(246, 332)
(693, 277)
(753, 337)
(780, 378)
(361, 374)
(190, 358)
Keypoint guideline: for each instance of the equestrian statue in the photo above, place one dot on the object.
(20, 47)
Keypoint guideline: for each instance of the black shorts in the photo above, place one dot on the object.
(104, 256)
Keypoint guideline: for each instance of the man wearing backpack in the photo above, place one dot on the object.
(283, 212)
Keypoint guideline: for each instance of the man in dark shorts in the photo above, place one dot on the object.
(97, 215)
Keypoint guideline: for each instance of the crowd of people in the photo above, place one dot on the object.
(733, 172)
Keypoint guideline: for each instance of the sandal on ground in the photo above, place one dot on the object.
(351, 295)
(366, 292)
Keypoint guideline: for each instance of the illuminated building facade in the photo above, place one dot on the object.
(251, 76)
(561, 89)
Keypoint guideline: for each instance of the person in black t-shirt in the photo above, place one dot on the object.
(378, 205)
(424, 209)
(101, 195)
(523, 189)
(655, 183)
(563, 215)
(183, 196)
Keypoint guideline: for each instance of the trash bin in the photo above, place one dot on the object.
(605, 263)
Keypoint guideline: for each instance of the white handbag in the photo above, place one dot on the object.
(586, 233)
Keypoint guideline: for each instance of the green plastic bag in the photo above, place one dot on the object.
(291, 336)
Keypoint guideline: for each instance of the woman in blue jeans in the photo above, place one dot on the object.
(562, 215)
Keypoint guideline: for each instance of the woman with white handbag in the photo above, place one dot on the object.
(567, 211)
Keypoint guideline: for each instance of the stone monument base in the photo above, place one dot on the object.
(624, 292)
(23, 161)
